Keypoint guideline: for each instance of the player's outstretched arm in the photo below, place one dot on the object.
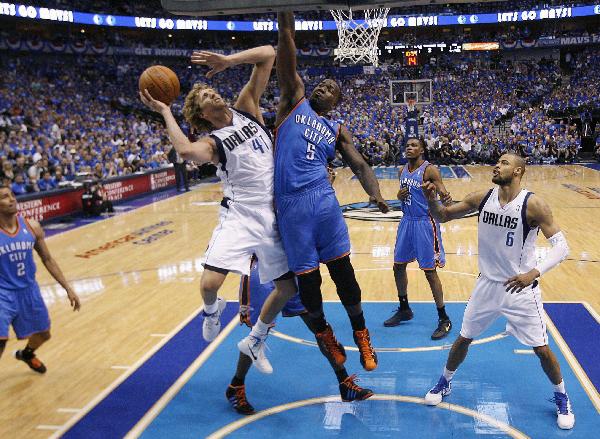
(201, 151)
(540, 215)
(290, 84)
(443, 213)
(51, 265)
(432, 174)
(361, 169)
(262, 57)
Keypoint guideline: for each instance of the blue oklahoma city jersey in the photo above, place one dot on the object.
(305, 143)
(17, 267)
(415, 206)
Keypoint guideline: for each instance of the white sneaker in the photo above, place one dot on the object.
(212, 322)
(441, 389)
(255, 349)
(564, 414)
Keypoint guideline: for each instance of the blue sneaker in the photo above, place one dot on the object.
(565, 417)
(441, 389)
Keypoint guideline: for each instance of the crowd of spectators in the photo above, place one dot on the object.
(65, 116)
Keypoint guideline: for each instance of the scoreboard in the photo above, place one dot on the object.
(410, 58)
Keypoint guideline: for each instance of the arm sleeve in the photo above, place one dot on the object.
(556, 254)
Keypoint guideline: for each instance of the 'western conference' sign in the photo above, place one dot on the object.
(68, 16)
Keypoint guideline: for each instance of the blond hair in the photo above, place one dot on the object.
(192, 111)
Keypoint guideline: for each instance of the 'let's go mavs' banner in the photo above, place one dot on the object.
(69, 16)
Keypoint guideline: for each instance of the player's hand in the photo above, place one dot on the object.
(446, 198)
(152, 103)
(429, 190)
(403, 193)
(74, 299)
(215, 61)
(382, 205)
(331, 174)
(516, 284)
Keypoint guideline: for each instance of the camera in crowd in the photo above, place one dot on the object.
(94, 200)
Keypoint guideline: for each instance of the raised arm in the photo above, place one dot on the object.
(361, 169)
(443, 213)
(201, 151)
(51, 265)
(290, 84)
(262, 57)
(432, 174)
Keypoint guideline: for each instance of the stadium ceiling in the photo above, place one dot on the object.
(229, 7)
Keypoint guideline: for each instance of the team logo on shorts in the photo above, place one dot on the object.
(370, 212)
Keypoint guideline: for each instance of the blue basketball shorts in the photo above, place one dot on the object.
(312, 228)
(420, 239)
(25, 310)
(253, 295)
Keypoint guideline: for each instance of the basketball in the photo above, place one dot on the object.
(162, 83)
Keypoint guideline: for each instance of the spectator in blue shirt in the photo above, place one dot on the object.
(19, 187)
(47, 183)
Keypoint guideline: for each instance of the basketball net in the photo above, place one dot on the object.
(411, 104)
(358, 37)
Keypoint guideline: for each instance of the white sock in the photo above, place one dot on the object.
(212, 308)
(260, 329)
(560, 387)
(448, 374)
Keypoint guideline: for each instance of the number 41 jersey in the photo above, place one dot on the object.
(506, 241)
(245, 160)
(17, 267)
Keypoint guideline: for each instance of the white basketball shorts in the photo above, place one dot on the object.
(524, 312)
(244, 230)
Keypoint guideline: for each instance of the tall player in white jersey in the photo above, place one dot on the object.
(509, 221)
(241, 148)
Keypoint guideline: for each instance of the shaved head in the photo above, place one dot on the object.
(509, 167)
(517, 161)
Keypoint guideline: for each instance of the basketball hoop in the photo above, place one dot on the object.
(358, 37)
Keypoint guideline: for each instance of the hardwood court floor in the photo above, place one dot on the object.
(139, 281)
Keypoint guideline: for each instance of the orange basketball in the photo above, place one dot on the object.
(161, 82)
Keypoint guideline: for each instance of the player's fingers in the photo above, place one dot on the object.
(148, 95)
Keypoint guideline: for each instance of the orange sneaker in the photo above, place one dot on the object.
(350, 391)
(34, 363)
(332, 349)
(368, 357)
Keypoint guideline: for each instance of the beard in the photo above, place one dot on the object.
(501, 181)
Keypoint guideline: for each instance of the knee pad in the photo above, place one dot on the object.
(309, 285)
(2, 345)
(342, 274)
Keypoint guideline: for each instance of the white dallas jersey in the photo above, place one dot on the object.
(245, 160)
(506, 241)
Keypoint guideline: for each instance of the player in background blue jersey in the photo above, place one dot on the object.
(252, 297)
(310, 220)
(419, 237)
(21, 304)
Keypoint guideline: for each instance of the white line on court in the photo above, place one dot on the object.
(124, 376)
(117, 367)
(524, 351)
(68, 410)
(592, 311)
(230, 428)
(143, 423)
(584, 380)
(48, 427)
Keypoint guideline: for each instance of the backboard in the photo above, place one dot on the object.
(419, 91)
